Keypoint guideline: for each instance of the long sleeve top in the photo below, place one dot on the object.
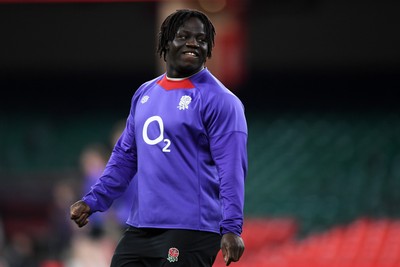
(184, 148)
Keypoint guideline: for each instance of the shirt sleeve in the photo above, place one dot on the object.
(227, 129)
(119, 171)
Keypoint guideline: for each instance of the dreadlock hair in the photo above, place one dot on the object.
(175, 20)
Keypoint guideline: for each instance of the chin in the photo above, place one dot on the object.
(189, 69)
(192, 68)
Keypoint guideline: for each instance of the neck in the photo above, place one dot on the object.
(182, 78)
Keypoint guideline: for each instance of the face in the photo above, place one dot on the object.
(187, 52)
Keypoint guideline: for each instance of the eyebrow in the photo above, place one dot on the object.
(186, 31)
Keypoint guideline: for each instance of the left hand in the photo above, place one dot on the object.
(232, 247)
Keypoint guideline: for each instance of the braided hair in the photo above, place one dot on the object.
(175, 20)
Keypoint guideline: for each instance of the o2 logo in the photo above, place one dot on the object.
(160, 138)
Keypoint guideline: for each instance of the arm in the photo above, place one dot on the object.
(120, 169)
(230, 155)
(227, 128)
(116, 177)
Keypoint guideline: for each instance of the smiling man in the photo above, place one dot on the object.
(184, 148)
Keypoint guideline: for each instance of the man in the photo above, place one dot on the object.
(184, 148)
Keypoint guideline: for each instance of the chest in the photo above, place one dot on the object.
(173, 113)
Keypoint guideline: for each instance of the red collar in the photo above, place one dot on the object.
(171, 84)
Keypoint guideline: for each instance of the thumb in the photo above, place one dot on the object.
(78, 208)
(226, 256)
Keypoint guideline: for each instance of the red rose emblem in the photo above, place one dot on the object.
(173, 254)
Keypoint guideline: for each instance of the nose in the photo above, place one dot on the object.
(192, 42)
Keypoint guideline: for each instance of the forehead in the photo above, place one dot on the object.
(192, 24)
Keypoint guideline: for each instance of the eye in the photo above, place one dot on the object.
(201, 39)
(181, 37)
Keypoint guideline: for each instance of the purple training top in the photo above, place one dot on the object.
(185, 150)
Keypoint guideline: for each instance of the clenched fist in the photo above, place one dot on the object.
(80, 212)
(232, 247)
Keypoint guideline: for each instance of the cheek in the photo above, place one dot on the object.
(205, 53)
(168, 46)
(172, 48)
(204, 50)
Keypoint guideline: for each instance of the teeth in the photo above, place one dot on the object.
(190, 53)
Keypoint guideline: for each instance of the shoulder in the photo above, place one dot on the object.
(214, 92)
(149, 84)
(142, 90)
(145, 87)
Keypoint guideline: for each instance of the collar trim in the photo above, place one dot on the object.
(169, 84)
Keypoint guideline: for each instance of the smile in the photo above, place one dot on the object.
(193, 54)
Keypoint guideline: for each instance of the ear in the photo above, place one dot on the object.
(167, 46)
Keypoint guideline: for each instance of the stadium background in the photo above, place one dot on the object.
(319, 81)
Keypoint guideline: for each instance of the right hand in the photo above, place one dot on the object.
(80, 212)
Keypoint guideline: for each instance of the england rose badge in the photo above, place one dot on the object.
(173, 254)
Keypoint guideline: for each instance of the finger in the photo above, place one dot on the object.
(236, 254)
(84, 223)
(240, 252)
(75, 213)
(81, 224)
(232, 258)
(227, 256)
(82, 220)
